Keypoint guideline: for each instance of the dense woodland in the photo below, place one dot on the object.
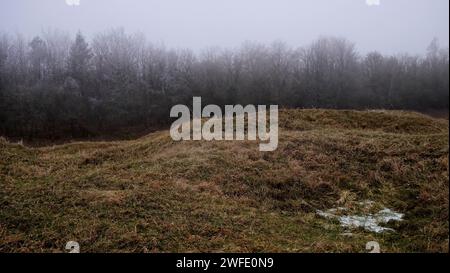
(58, 86)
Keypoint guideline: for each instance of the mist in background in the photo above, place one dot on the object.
(393, 26)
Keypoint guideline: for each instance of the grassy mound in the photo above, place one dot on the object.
(157, 195)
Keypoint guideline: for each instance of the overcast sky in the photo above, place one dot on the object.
(393, 26)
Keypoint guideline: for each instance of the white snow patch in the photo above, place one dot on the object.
(370, 222)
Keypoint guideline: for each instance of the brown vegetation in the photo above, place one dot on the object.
(156, 195)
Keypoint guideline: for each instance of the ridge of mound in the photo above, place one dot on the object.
(400, 122)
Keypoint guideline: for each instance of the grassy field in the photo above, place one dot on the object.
(156, 195)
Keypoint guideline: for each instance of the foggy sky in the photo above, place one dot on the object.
(394, 26)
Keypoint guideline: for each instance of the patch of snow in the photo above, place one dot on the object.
(370, 222)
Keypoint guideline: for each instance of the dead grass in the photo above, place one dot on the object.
(157, 195)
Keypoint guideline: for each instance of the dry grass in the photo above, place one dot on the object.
(157, 195)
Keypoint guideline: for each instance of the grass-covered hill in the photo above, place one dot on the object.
(156, 195)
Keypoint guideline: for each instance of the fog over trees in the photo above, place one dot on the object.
(59, 86)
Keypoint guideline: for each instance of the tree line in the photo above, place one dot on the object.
(58, 86)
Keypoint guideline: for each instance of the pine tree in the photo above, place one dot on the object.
(79, 59)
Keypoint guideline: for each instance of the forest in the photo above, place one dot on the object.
(63, 86)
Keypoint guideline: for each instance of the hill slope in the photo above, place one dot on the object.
(157, 195)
